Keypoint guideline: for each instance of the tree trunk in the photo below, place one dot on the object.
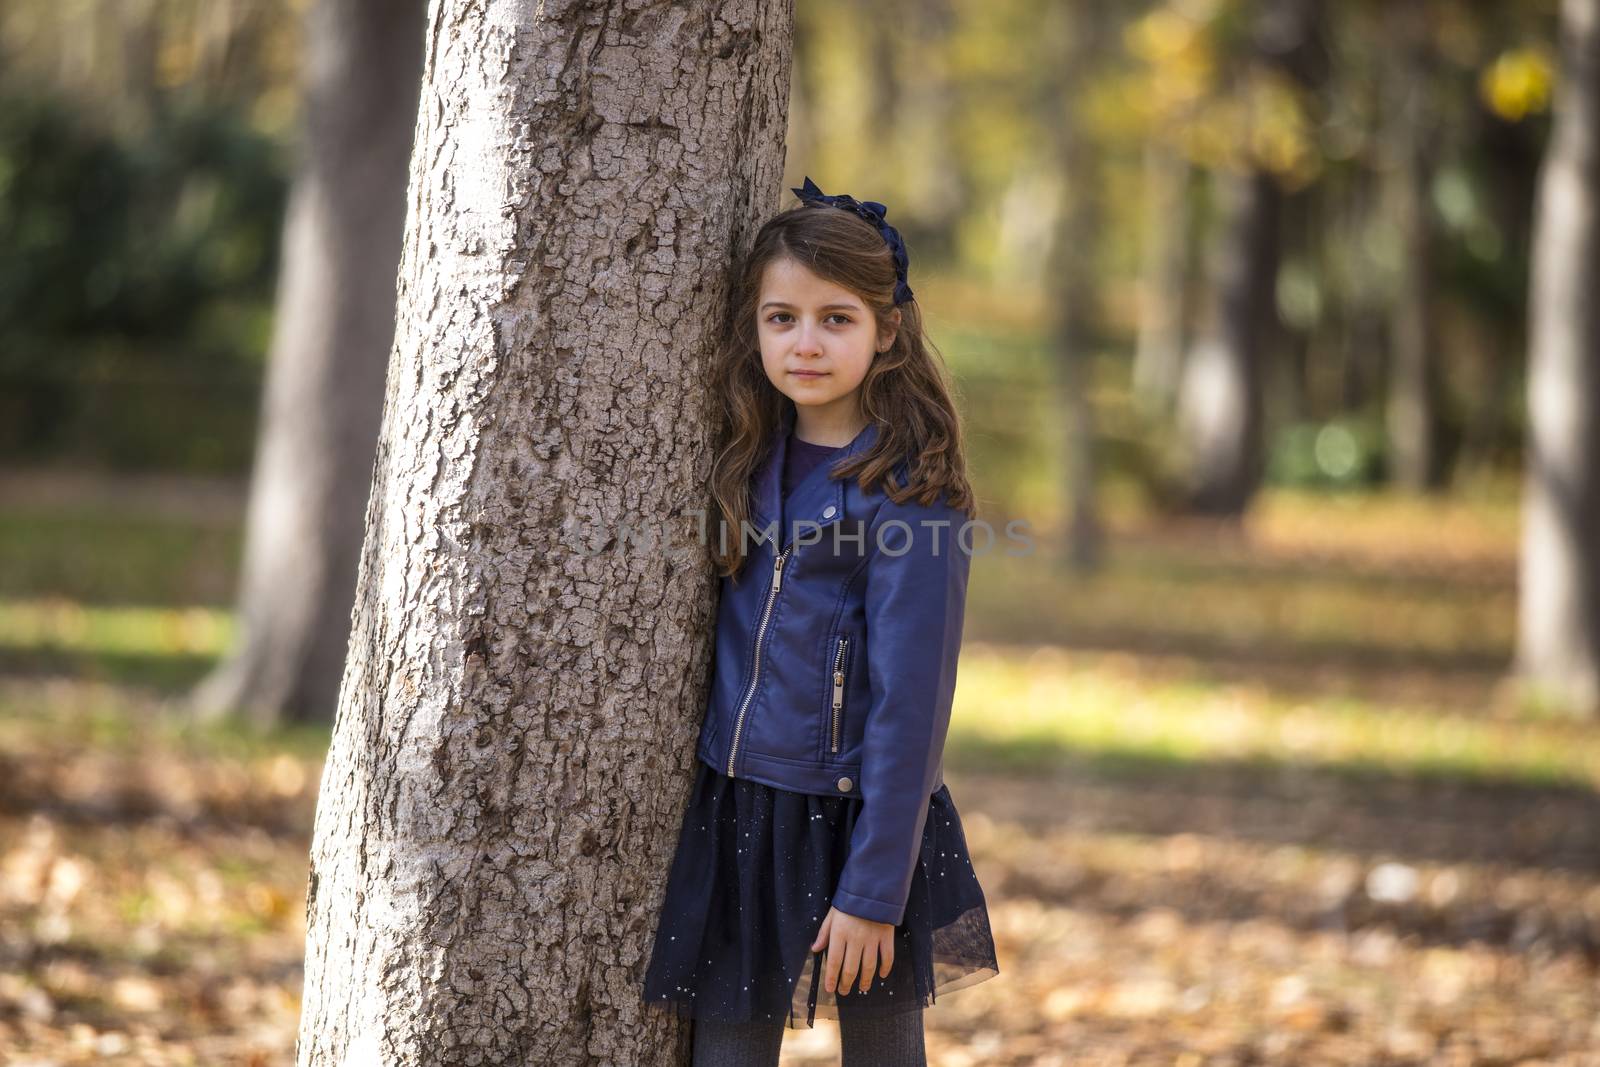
(324, 386)
(887, 22)
(1220, 395)
(1364, 330)
(1163, 278)
(1072, 272)
(935, 184)
(1220, 400)
(1411, 412)
(526, 679)
(1558, 648)
(1292, 337)
(806, 106)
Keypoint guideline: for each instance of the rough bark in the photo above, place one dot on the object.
(333, 328)
(1558, 650)
(515, 734)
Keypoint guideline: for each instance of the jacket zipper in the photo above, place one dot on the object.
(838, 688)
(755, 673)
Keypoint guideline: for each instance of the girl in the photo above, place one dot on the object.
(821, 865)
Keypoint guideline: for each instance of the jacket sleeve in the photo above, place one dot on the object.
(915, 595)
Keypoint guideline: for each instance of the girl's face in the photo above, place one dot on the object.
(817, 340)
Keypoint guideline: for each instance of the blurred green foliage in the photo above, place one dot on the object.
(135, 296)
(144, 155)
(1341, 453)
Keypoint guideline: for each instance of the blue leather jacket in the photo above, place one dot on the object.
(835, 661)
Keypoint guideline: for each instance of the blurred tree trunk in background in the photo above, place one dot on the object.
(137, 45)
(1164, 278)
(1072, 270)
(1364, 334)
(805, 106)
(516, 726)
(127, 59)
(332, 329)
(1220, 396)
(1291, 334)
(1558, 652)
(889, 20)
(1411, 410)
(936, 181)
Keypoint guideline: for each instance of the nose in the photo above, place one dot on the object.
(807, 342)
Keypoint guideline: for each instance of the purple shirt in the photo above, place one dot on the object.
(799, 460)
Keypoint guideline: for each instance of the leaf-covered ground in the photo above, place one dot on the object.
(152, 887)
(1232, 802)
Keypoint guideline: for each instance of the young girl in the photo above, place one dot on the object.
(821, 865)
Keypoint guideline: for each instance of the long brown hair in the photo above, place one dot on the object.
(907, 391)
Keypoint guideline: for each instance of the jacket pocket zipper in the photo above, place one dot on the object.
(838, 689)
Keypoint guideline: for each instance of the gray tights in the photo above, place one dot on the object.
(869, 1041)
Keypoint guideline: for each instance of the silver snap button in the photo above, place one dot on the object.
(828, 511)
(844, 785)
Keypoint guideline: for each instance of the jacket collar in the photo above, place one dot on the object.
(815, 493)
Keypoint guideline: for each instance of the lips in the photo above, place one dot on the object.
(808, 373)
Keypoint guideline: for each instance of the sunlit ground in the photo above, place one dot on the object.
(1264, 801)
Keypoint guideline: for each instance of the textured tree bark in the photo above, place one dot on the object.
(1558, 650)
(324, 389)
(514, 741)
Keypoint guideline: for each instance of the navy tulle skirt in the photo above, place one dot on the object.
(751, 881)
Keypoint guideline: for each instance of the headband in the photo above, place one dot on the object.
(873, 212)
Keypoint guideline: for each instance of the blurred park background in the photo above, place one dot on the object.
(1268, 755)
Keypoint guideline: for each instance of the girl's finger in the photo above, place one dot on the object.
(820, 942)
(869, 965)
(886, 956)
(852, 967)
(830, 964)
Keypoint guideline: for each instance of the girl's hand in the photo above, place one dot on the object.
(859, 945)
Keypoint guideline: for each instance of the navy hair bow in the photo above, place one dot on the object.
(873, 212)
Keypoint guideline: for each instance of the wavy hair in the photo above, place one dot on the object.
(907, 390)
